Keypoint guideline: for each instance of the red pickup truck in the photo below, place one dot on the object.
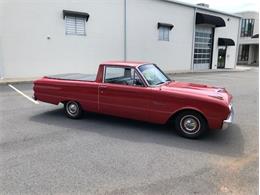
(139, 91)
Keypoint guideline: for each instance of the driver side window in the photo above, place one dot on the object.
(137, 81)
(122, 76)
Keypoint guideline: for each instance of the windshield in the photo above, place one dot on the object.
(153, 75)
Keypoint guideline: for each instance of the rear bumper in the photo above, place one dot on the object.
(228, 122)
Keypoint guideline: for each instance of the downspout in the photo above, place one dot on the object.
(1, 62)
(2, 71)
(238, 45)
(125, 46)
(193, 40)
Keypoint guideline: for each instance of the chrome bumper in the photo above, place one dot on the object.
(229, 120)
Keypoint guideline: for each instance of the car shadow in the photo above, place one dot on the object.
(227, 143)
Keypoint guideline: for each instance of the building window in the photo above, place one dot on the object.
(75, 22)
(243, 53)
(75, 25)
(247, 27)
(164, 31)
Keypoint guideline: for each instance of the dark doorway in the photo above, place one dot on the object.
(221, 57)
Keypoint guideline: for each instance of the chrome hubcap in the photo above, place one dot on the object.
(72, 108)
(190, 124)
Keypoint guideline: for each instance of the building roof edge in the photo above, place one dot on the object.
(202, 8)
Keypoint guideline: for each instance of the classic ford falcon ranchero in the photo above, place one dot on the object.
(139, 91)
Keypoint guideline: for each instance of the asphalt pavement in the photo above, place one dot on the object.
(43, 152)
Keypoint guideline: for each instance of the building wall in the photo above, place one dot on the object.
(27, 52)
(142, 34)
(253, 56)
(229, 31)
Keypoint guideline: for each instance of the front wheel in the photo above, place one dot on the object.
(190, 124)
(73, 109)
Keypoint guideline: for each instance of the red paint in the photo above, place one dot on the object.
(151, 104)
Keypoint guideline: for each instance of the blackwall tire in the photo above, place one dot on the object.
(73, 109)
(190, 124)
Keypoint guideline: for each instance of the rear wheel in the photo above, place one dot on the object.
(190, 124)
(73, 109)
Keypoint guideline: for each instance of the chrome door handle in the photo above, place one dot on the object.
(103, 87)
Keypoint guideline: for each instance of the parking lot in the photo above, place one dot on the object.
(43, 152)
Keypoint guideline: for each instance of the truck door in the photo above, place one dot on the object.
(123, 93)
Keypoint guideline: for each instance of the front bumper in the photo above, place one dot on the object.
(228, 122)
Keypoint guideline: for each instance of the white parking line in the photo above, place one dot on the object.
(18, 91)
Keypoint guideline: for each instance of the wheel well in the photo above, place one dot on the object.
(65, 101)
(172, 117)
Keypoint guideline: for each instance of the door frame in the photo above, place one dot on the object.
(225, 49)
(212, 48)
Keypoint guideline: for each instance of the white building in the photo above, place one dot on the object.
(41, 37)
(249, 38)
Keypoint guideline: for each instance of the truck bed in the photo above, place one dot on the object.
(73, 76)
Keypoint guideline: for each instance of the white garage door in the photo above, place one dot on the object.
(203, 47)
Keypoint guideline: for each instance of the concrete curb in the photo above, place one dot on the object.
(17, 81)
(30, 80)
(238, 69)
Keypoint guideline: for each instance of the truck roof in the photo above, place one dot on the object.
(124, 63)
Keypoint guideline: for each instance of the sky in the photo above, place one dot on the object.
(231, 6)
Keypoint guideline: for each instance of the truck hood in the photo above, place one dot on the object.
(199, 90)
